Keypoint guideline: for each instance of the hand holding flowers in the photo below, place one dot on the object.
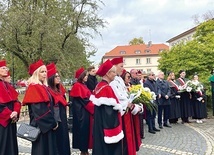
(139, 94)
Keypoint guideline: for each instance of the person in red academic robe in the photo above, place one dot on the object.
(82, 109)
(107, 133)
(9, 113)
(121, 92)
(41, 110)
(57, 92)
(134, 119)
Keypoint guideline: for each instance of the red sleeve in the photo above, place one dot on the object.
(17, 107)
(90, 107)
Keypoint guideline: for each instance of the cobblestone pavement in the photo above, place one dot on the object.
(181, 139)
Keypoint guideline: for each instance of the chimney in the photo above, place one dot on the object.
(149, 44)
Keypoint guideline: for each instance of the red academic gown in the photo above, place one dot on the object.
(107, 133)
(41, 115)
(82, 109)
(8, 103)
(131, 126)
(62, 136)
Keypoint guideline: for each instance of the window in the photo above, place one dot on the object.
(148, 60)
(189, 37)
(149, 70)
(137, 52)
(147, 51)
(137, 61)
(122, 52)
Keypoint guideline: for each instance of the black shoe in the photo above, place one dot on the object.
(166, 125)
(155, 129)
(152, 131)
(160, 126)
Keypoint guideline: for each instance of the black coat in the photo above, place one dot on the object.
(91, 82)
(134, 81)
(163, 90)
(151, 84)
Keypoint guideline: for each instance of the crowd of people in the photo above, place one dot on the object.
(104, 118)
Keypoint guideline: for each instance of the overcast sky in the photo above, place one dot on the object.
(155, 20)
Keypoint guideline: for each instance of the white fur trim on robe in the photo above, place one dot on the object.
(106, 101)
(121, 92)
(114, 139)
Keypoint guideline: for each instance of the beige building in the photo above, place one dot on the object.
(182, 38)
(141, 57)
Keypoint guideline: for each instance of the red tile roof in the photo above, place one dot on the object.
(130, 50)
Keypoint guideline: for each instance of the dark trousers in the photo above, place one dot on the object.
(141, 126)
(163, 110)
(150, 119)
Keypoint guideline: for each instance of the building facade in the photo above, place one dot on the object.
(182, 38)
(142, 57)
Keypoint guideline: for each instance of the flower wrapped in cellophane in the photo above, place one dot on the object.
(191, 86)
(140, 94)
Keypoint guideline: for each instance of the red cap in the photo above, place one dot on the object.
(104, 68)
(2, 63)
(50, 66)
(35, 66)
(124, 71)
(116, 61)
(51, 72)
(79, 72)
(139, 72)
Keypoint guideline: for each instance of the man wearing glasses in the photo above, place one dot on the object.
(150, 115)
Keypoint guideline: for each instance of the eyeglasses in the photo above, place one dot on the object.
(6, 68)
(56, 76)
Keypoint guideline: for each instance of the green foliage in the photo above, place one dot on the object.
(136, 41)
(54, 30)
(194, 56)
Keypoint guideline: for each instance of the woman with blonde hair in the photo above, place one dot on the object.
(41, 111)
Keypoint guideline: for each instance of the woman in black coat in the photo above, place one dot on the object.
(57, 92)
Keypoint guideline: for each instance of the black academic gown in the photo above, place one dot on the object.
(42, 116)
(199, 107)
(175, 108)
(107, 133)
(185, 102)
(8, 103)
(62, 136)
(82, 108)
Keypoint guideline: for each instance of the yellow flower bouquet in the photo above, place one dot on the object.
(138, 94)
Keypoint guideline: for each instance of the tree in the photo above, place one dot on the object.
(136, 41)
(195, 56)
(54, 30)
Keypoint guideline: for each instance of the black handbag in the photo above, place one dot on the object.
(28, 132)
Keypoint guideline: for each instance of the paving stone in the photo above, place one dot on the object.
(181, 139)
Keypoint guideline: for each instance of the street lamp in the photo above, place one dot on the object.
(70, 113)
(13, 70)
